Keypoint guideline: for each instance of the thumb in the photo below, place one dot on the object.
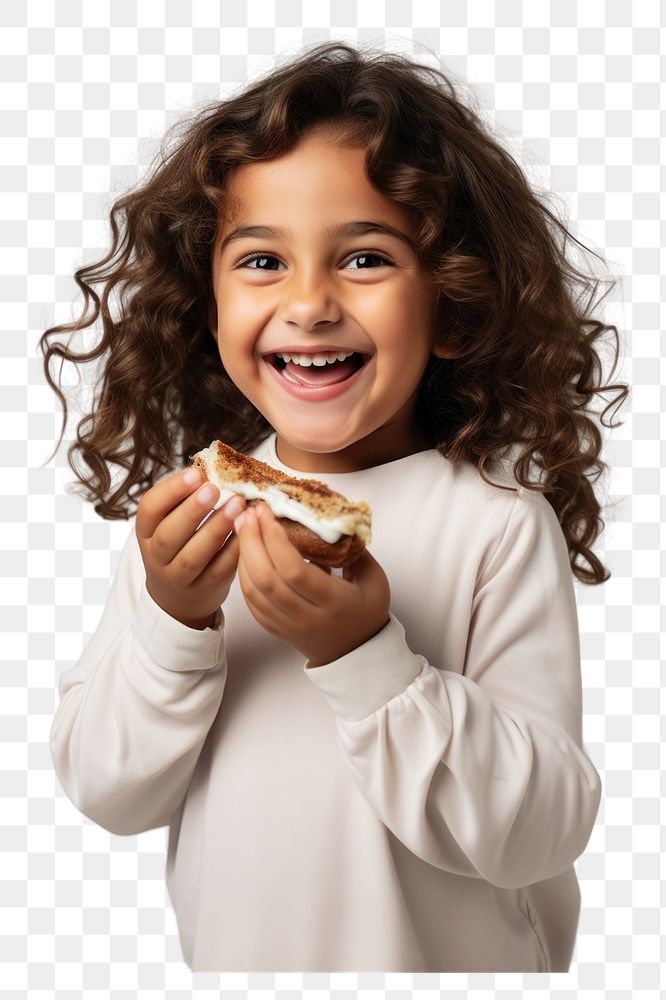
(362, 570)
(372, 582)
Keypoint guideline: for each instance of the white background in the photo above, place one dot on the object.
(87, 91)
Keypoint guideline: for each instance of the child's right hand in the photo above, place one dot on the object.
(188, 571)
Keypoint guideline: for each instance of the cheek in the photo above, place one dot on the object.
(233, 360)
(402, 361)
(405, 338)
(240, 323)
(235, 336)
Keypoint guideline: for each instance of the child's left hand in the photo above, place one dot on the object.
(320, 615)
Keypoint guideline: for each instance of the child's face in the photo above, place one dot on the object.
(313, 291)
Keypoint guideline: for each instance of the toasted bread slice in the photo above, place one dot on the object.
(325, 526)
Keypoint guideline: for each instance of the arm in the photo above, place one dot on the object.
(135, 710)
(482, 773)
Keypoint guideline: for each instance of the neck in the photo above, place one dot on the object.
(378, 448)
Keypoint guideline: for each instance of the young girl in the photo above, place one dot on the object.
(380, 769)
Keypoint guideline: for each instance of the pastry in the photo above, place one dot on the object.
(324, 526)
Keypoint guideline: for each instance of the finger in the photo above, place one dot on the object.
(306, 579)
(261, 608)
(213, 537)
(369, 577)
(178, 527)
(222, 566)
(255, 569)
(258, 569)
(324, 569)
(362, 569)
(164, 497)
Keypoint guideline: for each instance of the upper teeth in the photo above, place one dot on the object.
(315, 359)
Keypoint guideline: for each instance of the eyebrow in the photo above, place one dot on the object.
(344, 229)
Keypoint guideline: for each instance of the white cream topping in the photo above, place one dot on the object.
(328, 529)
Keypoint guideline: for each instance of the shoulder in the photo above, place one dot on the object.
(466, 495)
(501, 520)
(500, 489)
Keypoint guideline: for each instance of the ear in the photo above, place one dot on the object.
(443, 350)
(440, 348)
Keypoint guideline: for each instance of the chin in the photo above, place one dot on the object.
(317, 446)
(318, 443)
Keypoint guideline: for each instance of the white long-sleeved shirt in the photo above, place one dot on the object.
(415, 805)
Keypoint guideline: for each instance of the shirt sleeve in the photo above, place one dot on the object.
(134, 712)
(483, 773)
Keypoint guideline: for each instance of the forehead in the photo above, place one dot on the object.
(319, 177)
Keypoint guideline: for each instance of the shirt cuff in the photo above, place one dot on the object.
(364, 680)
(172, 645)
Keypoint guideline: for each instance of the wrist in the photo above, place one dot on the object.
(198, 623)
(357, 685)
(337, 651)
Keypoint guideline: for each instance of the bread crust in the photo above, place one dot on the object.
(232, 467)
(333, 554)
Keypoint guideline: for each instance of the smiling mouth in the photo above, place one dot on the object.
(317, 370)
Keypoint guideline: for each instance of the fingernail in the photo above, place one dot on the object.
(205, 494)
(238, 523)
(233, 507)
(191, 477)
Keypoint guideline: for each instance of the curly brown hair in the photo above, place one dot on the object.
(512, 309)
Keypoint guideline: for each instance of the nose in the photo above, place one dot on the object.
(309, 301)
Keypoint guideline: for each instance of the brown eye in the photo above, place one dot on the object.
(261, 258)
(364, 258)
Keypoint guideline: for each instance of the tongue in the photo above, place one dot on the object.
(319, 375)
